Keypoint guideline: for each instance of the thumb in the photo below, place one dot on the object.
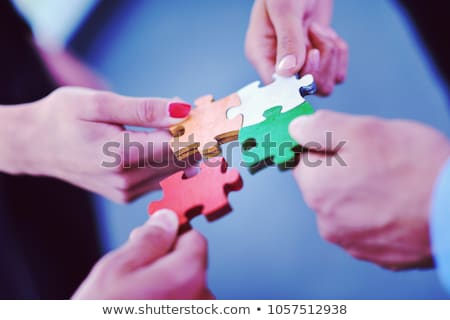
(149, 242)
(322, 130)
(143, 112)
(290, 35)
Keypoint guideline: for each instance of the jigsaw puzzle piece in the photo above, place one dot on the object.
(270, 139)
(285, 92)
(206, 128)
(205, 193)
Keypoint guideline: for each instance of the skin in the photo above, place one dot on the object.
(300, 30)
(376, 207)
(67, 70)
(62, 136)
(154, 264)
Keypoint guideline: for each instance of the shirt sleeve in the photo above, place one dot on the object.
(440, 225)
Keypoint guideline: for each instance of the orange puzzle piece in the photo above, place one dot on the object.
(206, 128)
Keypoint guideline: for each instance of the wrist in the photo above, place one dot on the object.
(16, 137)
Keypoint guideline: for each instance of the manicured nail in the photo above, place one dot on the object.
(179, 109)
(314, 57)
(164, 218)
(287, 63)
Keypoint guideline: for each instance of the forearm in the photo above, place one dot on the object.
(15, 135)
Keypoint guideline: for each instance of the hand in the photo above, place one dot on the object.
(78, 135)
(296, 37)
(147, 267)
(377, 205)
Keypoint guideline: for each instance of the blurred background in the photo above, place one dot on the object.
(268, 247)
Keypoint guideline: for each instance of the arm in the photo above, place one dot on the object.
(147, 267)
(440, 225)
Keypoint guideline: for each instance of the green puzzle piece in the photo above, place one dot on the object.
(270, 139)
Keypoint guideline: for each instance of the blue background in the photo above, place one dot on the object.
(268, 247)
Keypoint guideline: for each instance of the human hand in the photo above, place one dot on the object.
(147, 267)
(377, 205)
(291, 36)
(78, 135)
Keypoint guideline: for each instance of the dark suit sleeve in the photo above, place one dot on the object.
(48, 238)
(23, 76)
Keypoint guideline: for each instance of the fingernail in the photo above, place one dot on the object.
(179, 109)
(166, 219)
(287, 63)
(315, 59)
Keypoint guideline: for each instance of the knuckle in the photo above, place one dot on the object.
(145, 111)
(368, 127)
(153, 235)
(328, 232)
(123, 197)
(343, 46)
(326, 88)
(107, 265)
(313, 199)
(249, 51)
(329, 48)
(135, 233)
(100, 99)
(122, 182)
(100, 102)
(198, 243)
(321, 115)
(357, 254)
(124, 156)
(61, 91)
(288, 42)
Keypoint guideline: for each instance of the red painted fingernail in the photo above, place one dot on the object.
(179, 109)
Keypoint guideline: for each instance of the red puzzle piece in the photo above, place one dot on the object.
(205, 193)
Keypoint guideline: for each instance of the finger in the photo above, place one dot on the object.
(149, 242)
(312, 64)
(343, 60)
(131, 149)
(127, 196)
(129, 179)
(290, 35)
(182, 272)
(260, 42)
(323, 39)
(322, 131)
(145, 112)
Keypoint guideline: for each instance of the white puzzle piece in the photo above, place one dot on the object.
(283, 92)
